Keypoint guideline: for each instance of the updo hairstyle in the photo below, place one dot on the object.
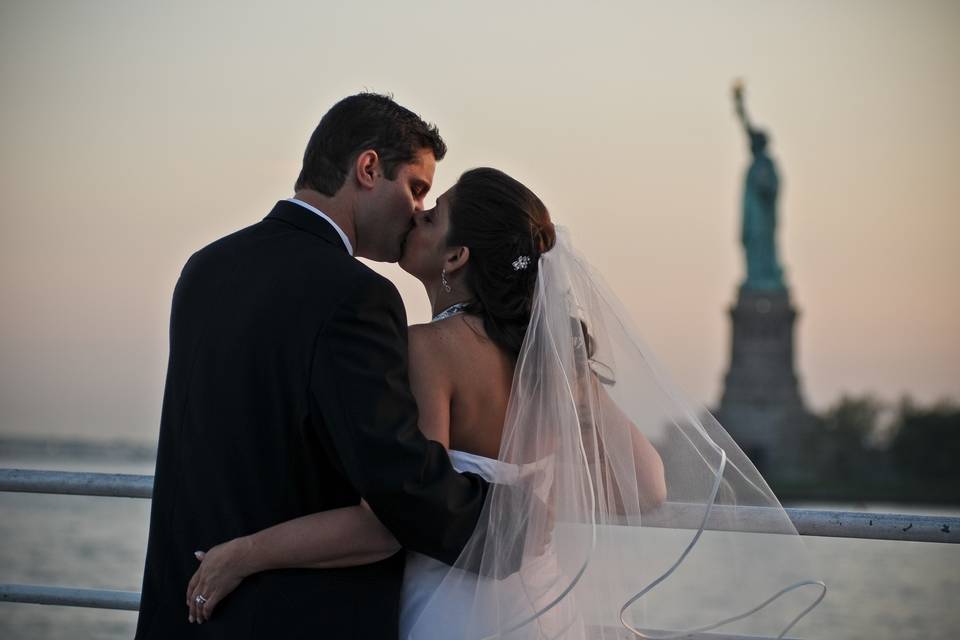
(501, 221)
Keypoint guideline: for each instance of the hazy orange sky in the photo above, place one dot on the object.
(136, 132)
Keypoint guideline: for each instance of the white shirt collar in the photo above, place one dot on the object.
(343, 236)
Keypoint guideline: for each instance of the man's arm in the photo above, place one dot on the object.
(360, 385)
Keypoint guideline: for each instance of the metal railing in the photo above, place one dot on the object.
(808, 522)
(70, 597)
(113, 485)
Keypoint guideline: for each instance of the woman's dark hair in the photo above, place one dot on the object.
(356, 124)
(500, 221)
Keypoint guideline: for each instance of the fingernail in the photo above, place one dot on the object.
(190, 618)
(198, 555)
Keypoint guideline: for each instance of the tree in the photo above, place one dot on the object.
(926, 443)
(844, 443)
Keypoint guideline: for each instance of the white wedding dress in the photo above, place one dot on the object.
(430, 613)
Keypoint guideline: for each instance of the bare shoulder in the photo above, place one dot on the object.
(445, 344)
(452, 336)
(426, 336)
(429, 344)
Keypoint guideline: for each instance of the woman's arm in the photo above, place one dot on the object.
(648, 466)
(343, 537)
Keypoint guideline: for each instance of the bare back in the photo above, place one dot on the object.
(461, 381)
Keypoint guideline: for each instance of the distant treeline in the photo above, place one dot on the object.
(860, 449)
(863, 449)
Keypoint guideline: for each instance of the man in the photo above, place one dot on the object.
(287, 393)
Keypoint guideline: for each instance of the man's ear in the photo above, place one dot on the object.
(457, 258)
(367, 168)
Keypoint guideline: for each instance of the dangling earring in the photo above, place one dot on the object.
(443, 281)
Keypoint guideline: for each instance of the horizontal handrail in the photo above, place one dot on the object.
(675, 515)
(70, 597)
(130, 601)
(114, 485)
(810, 522)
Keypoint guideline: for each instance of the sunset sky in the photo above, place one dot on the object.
(136, 132)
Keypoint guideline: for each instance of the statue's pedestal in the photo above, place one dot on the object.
(762, 407)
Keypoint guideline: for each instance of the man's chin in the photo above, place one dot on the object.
(393, 257)
(384, 254)
(401, 253)
(396, 255)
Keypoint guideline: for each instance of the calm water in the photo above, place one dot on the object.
(878, 590)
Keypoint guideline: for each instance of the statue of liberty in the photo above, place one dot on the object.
(762, 406)
(759, 209)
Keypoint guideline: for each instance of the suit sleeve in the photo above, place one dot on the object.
(361, 391)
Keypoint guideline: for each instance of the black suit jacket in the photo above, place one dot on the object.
(287, 394)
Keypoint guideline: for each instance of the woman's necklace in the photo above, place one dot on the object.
(451, 311)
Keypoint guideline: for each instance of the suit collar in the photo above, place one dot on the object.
(306, 220)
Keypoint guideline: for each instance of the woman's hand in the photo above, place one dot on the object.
(221, 570)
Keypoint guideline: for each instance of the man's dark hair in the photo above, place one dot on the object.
(358, 123)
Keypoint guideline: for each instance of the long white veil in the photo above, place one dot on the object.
(594, 433)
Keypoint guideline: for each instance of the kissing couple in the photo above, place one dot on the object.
(326, 471)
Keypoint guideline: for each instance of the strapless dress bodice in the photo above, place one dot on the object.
(428, 612)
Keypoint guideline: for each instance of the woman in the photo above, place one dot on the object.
(527, 375)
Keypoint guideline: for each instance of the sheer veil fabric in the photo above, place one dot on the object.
(721, 554)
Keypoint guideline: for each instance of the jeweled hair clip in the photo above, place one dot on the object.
(521, 263)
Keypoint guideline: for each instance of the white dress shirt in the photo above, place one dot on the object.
(343, 236)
